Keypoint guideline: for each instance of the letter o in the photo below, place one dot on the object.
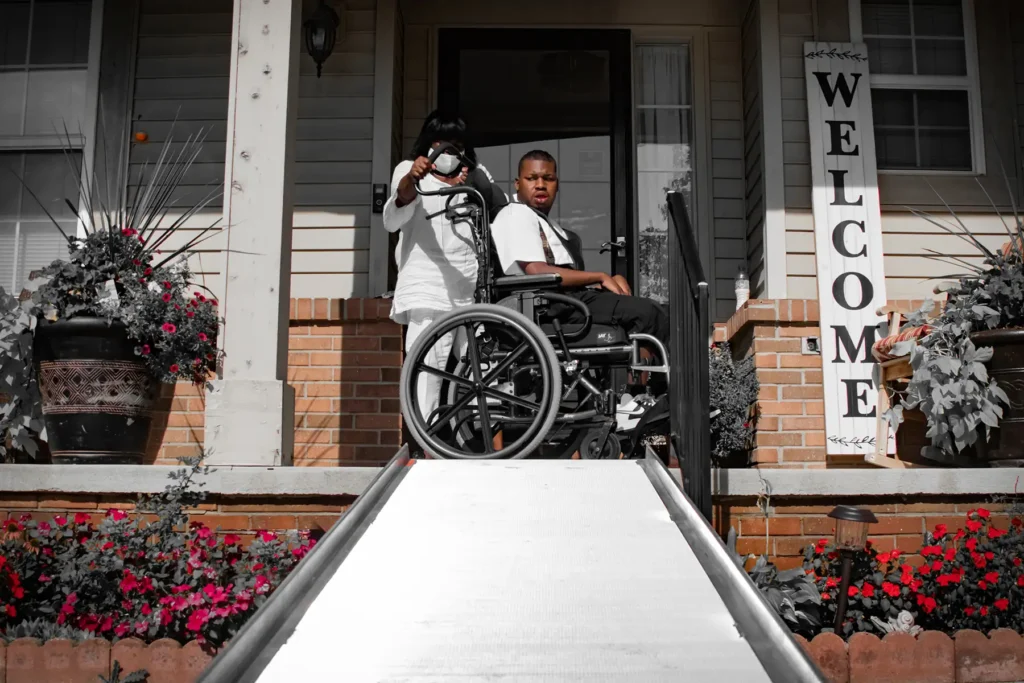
(867, 291)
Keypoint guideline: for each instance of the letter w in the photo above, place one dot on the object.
(841, 86)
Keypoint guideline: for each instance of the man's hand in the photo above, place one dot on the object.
(609, 283)
(623, 284)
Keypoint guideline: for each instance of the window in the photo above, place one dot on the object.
(664, 153)
(44, 67)
(925, 100)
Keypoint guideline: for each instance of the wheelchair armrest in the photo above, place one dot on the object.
(528, 282)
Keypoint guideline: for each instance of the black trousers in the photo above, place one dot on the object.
(634, 313)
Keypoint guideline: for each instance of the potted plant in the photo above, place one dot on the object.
(118, 316)
(733, 392)
(968, 372)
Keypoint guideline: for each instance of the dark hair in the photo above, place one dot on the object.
(442, 126)
(536, 155)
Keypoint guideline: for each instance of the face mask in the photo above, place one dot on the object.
(447, 164)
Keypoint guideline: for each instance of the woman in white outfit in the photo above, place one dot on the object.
(437, 264)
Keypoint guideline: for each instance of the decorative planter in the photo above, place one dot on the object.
(96, 393)
(1006, 447)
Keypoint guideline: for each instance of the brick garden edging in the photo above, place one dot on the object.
(26, 660)
(932, 657)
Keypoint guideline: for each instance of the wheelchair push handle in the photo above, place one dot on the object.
(452, 189)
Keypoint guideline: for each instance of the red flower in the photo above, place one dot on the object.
(831, 582)
(262, 584)
(174, 368)
(213, 302)
(945, 579)
(925, 569)
(969, 611)
(107, 546)
(177, 307)
(940, 530)
(82, 518)
(197, 619)
(973, 525)
(992, 577)
(128, 232)
(121, 629)
(982, 585)
(937, 565)
(995, 533)
(136, 262)
(169, 328)
(146, 350)
(931, 550)
(884, 557)
(232, 539)
(142, 280)
(129, 582)
(896, 554)
(166, 297)
(950, 554)
(1016, 562)
(190, 314)
(990, 555)
(929, 605)
(984, 611)
(11, 612)
(1016, 522)
(117, 515)
(852, 591)
(203, 337)
(890, 589)
(203, 532)
(972, 544)
(983, 513)
(147, 271)
(1002, 604)
(867, 590)
(44, 527)
(60, 520)
(165, 617)
(959, 534)
(167, 285)
(1020, 581)
(267, 536)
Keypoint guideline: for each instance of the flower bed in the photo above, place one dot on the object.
(972, 578)
(128, 576)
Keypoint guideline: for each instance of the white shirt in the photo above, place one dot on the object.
(437, 264)
(516, 235)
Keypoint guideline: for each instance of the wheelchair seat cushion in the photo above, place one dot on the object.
(599, 335)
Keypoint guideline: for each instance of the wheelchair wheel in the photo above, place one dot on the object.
(509, 381)
(590, 447)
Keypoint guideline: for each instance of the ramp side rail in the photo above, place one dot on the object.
(771, 640)
(252, 648)
(689, 382)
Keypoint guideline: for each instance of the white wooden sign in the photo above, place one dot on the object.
(848, 239)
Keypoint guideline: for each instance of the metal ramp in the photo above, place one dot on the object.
(517, 571)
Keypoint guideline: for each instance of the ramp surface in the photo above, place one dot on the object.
(524, 571)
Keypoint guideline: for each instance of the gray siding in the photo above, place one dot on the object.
(753, 131)
(182, 72)
(796, 25)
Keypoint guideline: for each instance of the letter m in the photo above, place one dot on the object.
(841, 87)
(845, 342)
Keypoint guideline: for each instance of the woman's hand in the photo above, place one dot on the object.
(407, 186)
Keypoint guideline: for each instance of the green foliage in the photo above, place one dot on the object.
(115, 675)
(734, 389)
(45, 629)
(20, 412)
(791, 593)
(950, 384)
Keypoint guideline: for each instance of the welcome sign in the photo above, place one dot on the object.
(848, 240)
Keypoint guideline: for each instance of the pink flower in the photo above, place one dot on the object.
(136, 262)
(60, 520)
(166, 297)
(203, 532)
(267, 536)
(129, 582)
(197, 619)
(262, 584)
(117, 515)
(146, 350)
(142, 280)
(147, 271)
(203, 337)
(128, 232)
(44, 527)
(165, 617)
(146, 609)
(167, 285)
(232, 539)
(174, 368)
(142, 627)
(121, 629)
(190, 314)
(169, 328)
(82, 518)
(213, 302)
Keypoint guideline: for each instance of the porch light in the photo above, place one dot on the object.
(851, 537)
(321, 31)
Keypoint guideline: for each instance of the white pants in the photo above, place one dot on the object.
(428, 387)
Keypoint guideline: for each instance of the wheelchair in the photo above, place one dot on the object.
(519, 382)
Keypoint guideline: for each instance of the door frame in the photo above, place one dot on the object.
(619, 44)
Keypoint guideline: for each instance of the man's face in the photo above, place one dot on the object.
(537, 184)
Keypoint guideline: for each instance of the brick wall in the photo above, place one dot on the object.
(344, 361)
(791, 406)
(794, 524)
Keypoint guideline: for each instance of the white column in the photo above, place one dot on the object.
(250, 412)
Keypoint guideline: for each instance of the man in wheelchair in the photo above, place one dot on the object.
(535, 364)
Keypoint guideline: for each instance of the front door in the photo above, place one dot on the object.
(563, 91)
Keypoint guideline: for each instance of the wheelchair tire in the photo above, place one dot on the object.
(542, 353)
(612, 447)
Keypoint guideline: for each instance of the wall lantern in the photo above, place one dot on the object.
(851, 538)
(321, 32)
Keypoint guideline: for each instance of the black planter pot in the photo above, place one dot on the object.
(96, 393)
(1006, 447)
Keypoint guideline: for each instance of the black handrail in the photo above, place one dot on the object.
(689, 388)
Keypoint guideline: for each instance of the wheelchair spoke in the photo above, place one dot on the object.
(455, 379)
(506, 364)
(480, 385)
(456, 407)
